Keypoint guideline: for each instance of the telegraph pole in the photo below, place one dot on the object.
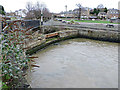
(79, 14)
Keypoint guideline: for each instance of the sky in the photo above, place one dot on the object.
(57, 6)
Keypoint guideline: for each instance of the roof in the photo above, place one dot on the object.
(102, 13)
(113, 11)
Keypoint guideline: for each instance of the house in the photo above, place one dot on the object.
(102, 15)
(84, 12)
(113, 13)
(13, 16)
(68, 14)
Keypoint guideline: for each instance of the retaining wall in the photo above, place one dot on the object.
(92, 34)
(103, 35)
(83, 33)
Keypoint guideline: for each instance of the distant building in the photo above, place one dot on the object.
(85, 12)
(113, 13)
(74, 13)
(20, 12)
(60, 15)
(102, 14)
(13, 16)
(119, 5)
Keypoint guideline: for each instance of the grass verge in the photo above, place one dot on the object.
(96, 21)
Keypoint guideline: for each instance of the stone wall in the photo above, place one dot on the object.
(81, 33)
(68, 33)
(92, 34)
(100, 35)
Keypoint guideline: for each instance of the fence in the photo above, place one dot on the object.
(29, 23)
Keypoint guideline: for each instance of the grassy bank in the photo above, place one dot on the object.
(96, 21)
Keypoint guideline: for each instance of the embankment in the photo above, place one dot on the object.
(103, 35)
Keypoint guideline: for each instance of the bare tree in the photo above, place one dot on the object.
(24, 11)
(100, 6)
(29, 6)
(29, 11)
(46, 14)
(79, 12)
(37, 8)
(34, 10)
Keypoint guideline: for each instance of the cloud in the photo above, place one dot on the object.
(58, 5)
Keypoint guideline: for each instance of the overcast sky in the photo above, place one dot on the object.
(58, 5)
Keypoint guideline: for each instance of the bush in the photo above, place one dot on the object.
(13, 55)
(72, 21)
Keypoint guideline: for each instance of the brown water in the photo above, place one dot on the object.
(76, 63)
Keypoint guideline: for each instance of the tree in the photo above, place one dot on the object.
(29, 6)
(98, 10)
(34, 10)
(2, 11)
(100, 6)
(29, 11)
(95, 11)
(46, 14)
(105, 10)
(79, 12)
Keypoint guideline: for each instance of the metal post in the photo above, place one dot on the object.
(41, 17)
(41, 21)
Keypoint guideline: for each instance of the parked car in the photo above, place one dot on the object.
(68, 22)
(59, 19)
(109, 25)
(56, 19)
(63, 21)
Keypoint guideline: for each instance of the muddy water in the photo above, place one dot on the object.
(76, 63)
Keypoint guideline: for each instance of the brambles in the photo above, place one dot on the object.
(13, 57)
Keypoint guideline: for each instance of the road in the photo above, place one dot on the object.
(98, 26)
